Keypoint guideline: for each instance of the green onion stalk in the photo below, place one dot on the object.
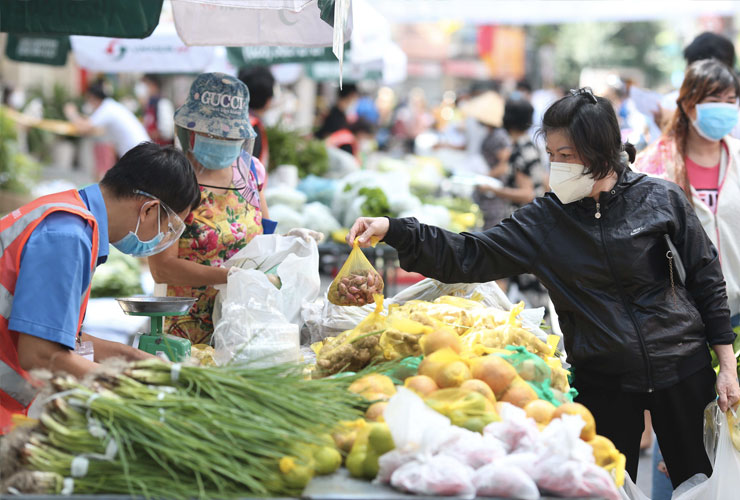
(162, 432)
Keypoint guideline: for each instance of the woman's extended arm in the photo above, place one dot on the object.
(167, 267)
(500, 252)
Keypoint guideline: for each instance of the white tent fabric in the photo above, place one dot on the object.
(161, 52)
(236, 23)
(547, 11)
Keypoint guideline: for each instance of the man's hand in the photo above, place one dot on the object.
(366, 228)
(105, 349)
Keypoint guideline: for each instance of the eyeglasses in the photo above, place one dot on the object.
(175, 225)
(584, 91)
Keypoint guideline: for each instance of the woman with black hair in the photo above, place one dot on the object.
(635, 333)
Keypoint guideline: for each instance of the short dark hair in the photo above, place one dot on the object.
(710, 46)
(524, 85)
(96, 90)
(260, 82)
(161, 171)
(362, 125)
(347, 90)
(152, 78)
(518, 115)
(592, 126)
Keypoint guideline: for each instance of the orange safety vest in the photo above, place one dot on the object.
(16, 393)
(341, 138)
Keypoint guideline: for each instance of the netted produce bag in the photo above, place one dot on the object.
(354, 349)
(468, 409)
(537, 373)
(357, 281)
(401, 339)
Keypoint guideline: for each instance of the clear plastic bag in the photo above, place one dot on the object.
(504, 481)
(725, 481)
(357, 281)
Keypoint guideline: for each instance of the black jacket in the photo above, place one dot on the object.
(605, 267)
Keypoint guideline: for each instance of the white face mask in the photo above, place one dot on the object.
(569, 183)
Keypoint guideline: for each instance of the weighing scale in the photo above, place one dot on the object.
(156, 308)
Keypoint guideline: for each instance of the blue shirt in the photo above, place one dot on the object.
(55, 272)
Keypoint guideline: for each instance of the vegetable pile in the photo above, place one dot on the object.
(169, 431)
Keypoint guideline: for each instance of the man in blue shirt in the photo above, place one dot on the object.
(47, 250)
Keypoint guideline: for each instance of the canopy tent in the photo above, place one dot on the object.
(162, 52)
(520, 12)
(114, 18)
(295, 23)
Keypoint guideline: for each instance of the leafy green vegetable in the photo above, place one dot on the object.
(289, 148)
(18, 171)
(376, 203)
(119, 277)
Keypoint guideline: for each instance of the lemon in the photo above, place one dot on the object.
(327, 460)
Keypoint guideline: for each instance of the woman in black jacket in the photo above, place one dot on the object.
(635, 333)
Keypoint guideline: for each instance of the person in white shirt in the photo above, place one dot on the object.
(119, 125)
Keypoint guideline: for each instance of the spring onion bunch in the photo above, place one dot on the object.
(171, 431)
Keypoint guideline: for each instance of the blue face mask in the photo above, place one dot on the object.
(216, 154)
(132, 245)
(714, 120)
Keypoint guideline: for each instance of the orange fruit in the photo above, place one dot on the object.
(479, 386)
(589, 430)
(453, 374)
(439, 339)
(495, 372)
(375, 412)
(421, 385)
(540, 411)
(519, 393)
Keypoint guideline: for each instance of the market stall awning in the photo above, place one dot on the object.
(257, 56)
(115, 18)
(295, 23)
(162, 52)
(50, 50)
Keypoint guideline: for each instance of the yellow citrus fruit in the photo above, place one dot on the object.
(589, 430)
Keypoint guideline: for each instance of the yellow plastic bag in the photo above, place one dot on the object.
(357, 281)
(464, 408)
(402, 337)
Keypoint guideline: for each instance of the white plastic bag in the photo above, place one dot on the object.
(252, 330)
(324, 319)
(438, 475)
(725, 481)
(429, 289)
(516, 432)
(630, 491)
(296, 263)
(566, 465)
(472, 448)
(257, 322)
(504, 481)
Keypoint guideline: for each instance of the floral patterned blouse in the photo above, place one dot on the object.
(222, 225)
